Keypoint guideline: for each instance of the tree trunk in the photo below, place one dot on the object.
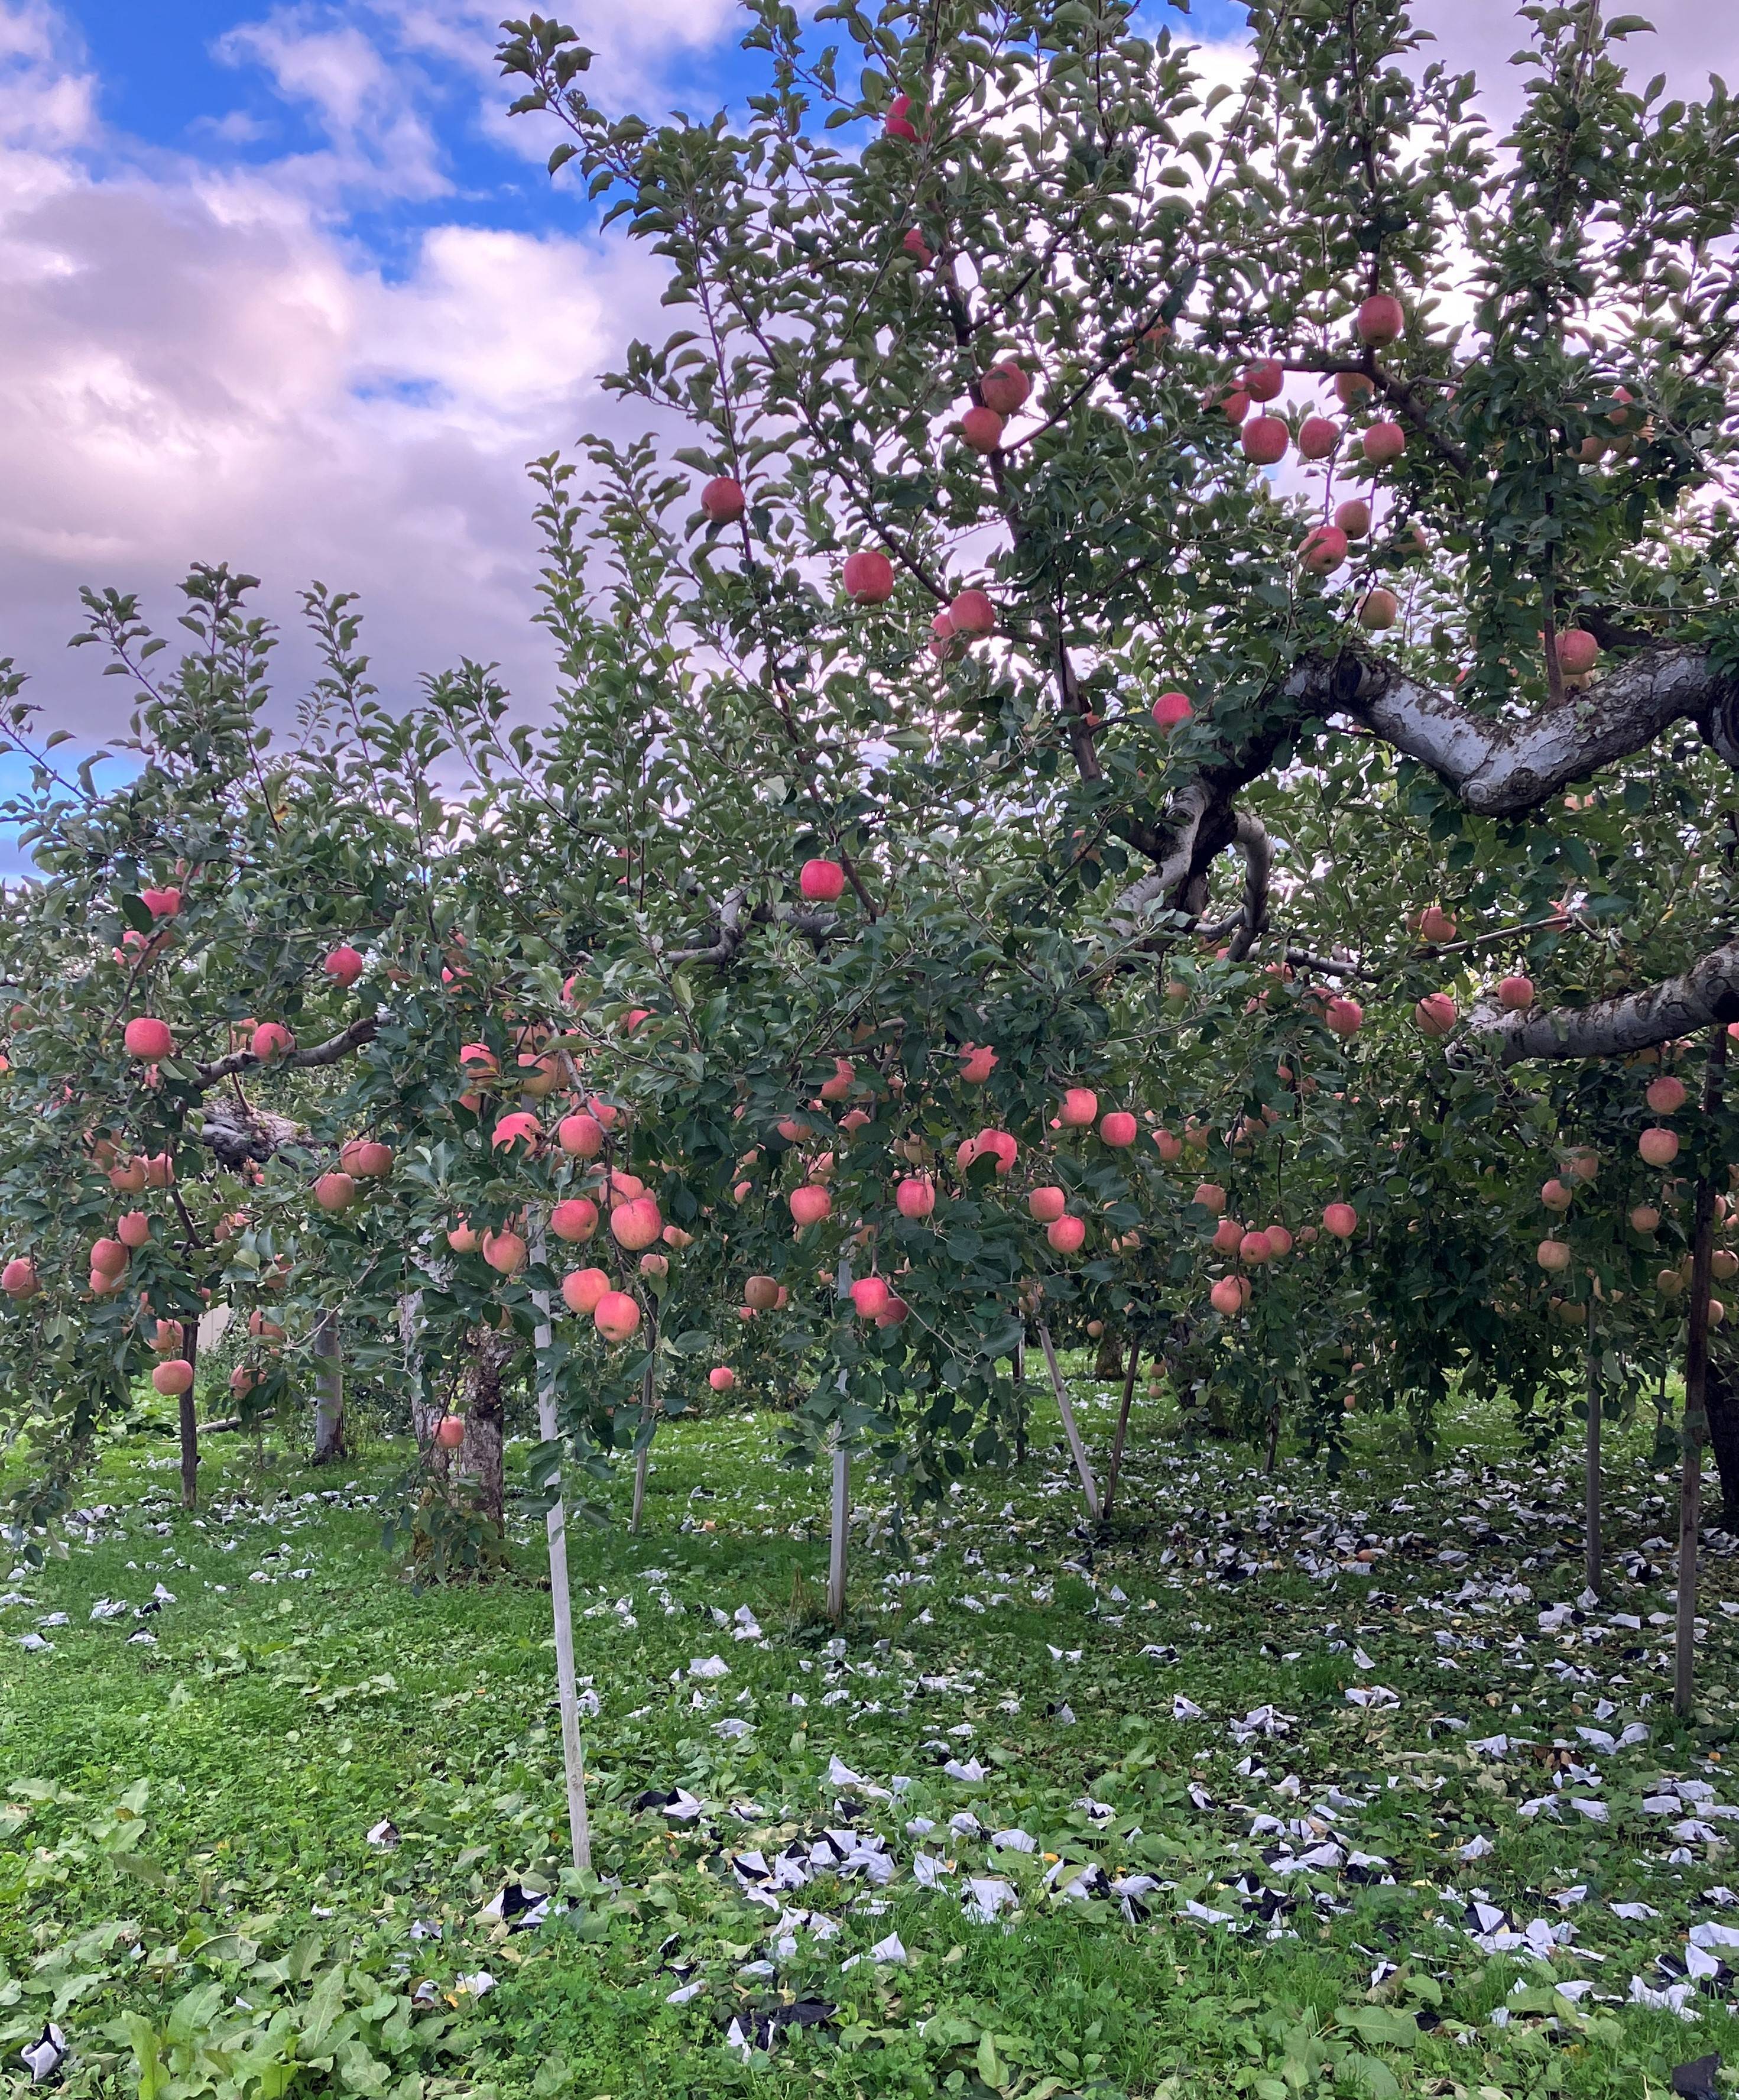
(561, 1595)
(1109, 1362)
(1116, 1466)
(480, 1455)
(188, 1414)
(1721, 1405)
(328, 1393)
(1088, 1486)
(1696, 1420)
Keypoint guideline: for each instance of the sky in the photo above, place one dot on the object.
(282, 285)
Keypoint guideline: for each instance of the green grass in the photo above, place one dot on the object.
(188, 1819)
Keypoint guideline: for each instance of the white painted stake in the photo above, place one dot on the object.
(561, 1604)
(1088, 1486)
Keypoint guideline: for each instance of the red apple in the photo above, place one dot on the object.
(821, 881)
(1554, 1196)
(915, 246)
(1005, 387)
(1435, 1014)
(174, 1377)
(18, 1279)
(981, 429)
(1227, 1236)
(616, 1316)
(343, 966)
(973, 613)
(1378, 609)
(1658, 1147)
(1262, 382)
(582, 1288)
(1228, 1295)
(1553, 1255)
(1667, 1095)
(1516, 995)
(506, 1252)
(721, 1378)
(335, 1191)
(1384, 444)
(148, 1038)
(869, 1297)
(1171, 709)
(134, 1228)
(1353, 517)
(520, 1129)
(1211, 1196)
(1279, 1239)
(450, 1433)
(636, 1223)
(1169, 1146)
(160, 903)
(722, 500)
(1645, 1218)
(915, 1197)
(898, 124)
(108, 1257)
(271, 1039)
(1578, 652)
(575, 1219)
(978, 1060)
(1232, 402)
(1047, 1205)
(1354, 388)
(1080, 1107)
(1265, 440)
(580, 1137)
(1436, 925)
(1118, 1129)
(809, 1205)
(869, 577)
(1342, 1220)
(463, 1239)
(1255, 1248)
(1380, 319)
(1323, 550)
(1066, 1235)
(1345, 1016)
(366, 1158)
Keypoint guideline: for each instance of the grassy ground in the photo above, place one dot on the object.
(188, 1889)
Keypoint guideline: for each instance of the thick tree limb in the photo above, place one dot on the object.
(1501, 766)
(1705, 995)
(328, 1052)
(1257, 850)
(237, 1133)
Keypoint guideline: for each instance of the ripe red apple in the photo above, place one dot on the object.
(271, 1039)
(1318, 438)
(1228, 1296)
(1436, 925)
(1516, 993)
(1118, 1129)
(1047, 1205)
(655, 1264)
(127, 1179)
(134, 1228)
(898, 124)
(477, 1063)
(809, 1205)
(343, 966)
(450, 1433)
(1669, 1282)
(1578, 652)
(1354, 388)
(160, 1170)
(1353, 517)
(978, 1060)
(915, 1197)
(821, 881)
(981, 429)
(575, 1219)
(505, 1251)
(1265, 440)
(1581, 1164)
(1171, 709)
(174, 1377)
(636, 1223)
(1005, 387)
(1645, 1218)
(943, 641)
(994, 1143)
(1345, 1016)
(894, 1314)
(1553, 1255)
(869, 577)
(1384, 444)
(160, 903)
(972, 613)
(722, 500)
(1436, 1014)
(761, 1293)
(1227, 1235)
(1323, 550)
(463, 1239)
(1066, 1235)
(1667, 1095)
(1342, 1220)
(721, 1378)
(1255, 1248)
(915, 246)
(1262, 382)
(1658, 1147)
(243, 1379)
(1279, 1239)
(1378, 609)
(1168, 1146)
(263, 1329)
(836, 1088)
(335, 1191)
(148, 1038)
(1380, 319)
(108, 1257)
(616, 1316)
(582, 1288)
(366, 1158)
(1080, 1107)
(1554, 1196)
(19, 1279)
(1212, 1198)
(519, 1129)
(580, 1137)
(869, 1297)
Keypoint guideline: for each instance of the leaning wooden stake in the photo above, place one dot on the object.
(188, 1421)
(1088, 1487)
(561, 1603)
(841, 1524)
(1123, 1425)
(1695, 1429)
(643, 1457)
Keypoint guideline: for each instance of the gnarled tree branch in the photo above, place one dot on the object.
(361, 1031)
(1704, 996)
